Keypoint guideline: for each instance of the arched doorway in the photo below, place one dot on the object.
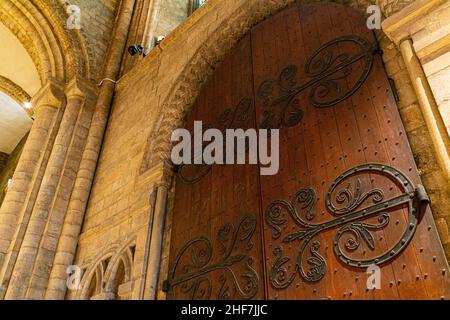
(347, 198)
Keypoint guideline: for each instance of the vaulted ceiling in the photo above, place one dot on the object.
(16, 64)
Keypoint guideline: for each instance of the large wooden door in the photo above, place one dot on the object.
(216, 250)
(347, 197)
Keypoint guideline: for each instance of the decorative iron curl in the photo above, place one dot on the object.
(326, 72)
(235, 244)
(351, 199)
(349, 218)
(237, 117)
(277, 210)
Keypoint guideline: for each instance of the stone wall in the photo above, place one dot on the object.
(427, 24)
(429, 30)
(97, 22)
(153, 96)
(440, 84)
(45, 35)
(432, 43)
(70, 62)
(419, 139)
(171, 14)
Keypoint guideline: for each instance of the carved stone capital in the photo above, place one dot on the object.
(80, 88)
(403, 23)
(164, 175)
(50, 95)
(159, 175)
(390, 7)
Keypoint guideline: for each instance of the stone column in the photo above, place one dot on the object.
(3, 160)
(45, 104)
(150, 26)
(19, 281)
(428, 106)
(157, 233)
(142, 255)
(68, 241)
(85, 92)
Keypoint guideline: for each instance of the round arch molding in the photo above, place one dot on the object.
(190, 81)
(57, 52)
(103, 271)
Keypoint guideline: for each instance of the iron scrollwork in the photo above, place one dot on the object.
(195, 262)
(328, 71)
(348, 213)
(237, 117)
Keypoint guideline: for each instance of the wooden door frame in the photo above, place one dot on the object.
(196, 72)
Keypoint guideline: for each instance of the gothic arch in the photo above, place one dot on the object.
(102, 276)
(58, 53)
(94, 275)
(202, 64)
(124, 258)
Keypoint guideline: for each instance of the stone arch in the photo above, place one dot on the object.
(104, 273)
(124, 258)
(95, 283)
(93, 277)
(13, 90)
(58, 53)
(203, 63)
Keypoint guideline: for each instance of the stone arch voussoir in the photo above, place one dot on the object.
(203, 63)
(57, 52)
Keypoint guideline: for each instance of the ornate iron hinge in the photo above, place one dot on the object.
(194, 263)
(328, 71)
(350, 207)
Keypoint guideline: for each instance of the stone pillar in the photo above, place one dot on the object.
(428, 106)
(83, 93)
(3, 160)
(143, 250)
(23, 268)
(45, 103)
(68, 241)
(157, 233)
(150, 26)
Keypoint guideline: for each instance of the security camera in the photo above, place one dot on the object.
(135, 49)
